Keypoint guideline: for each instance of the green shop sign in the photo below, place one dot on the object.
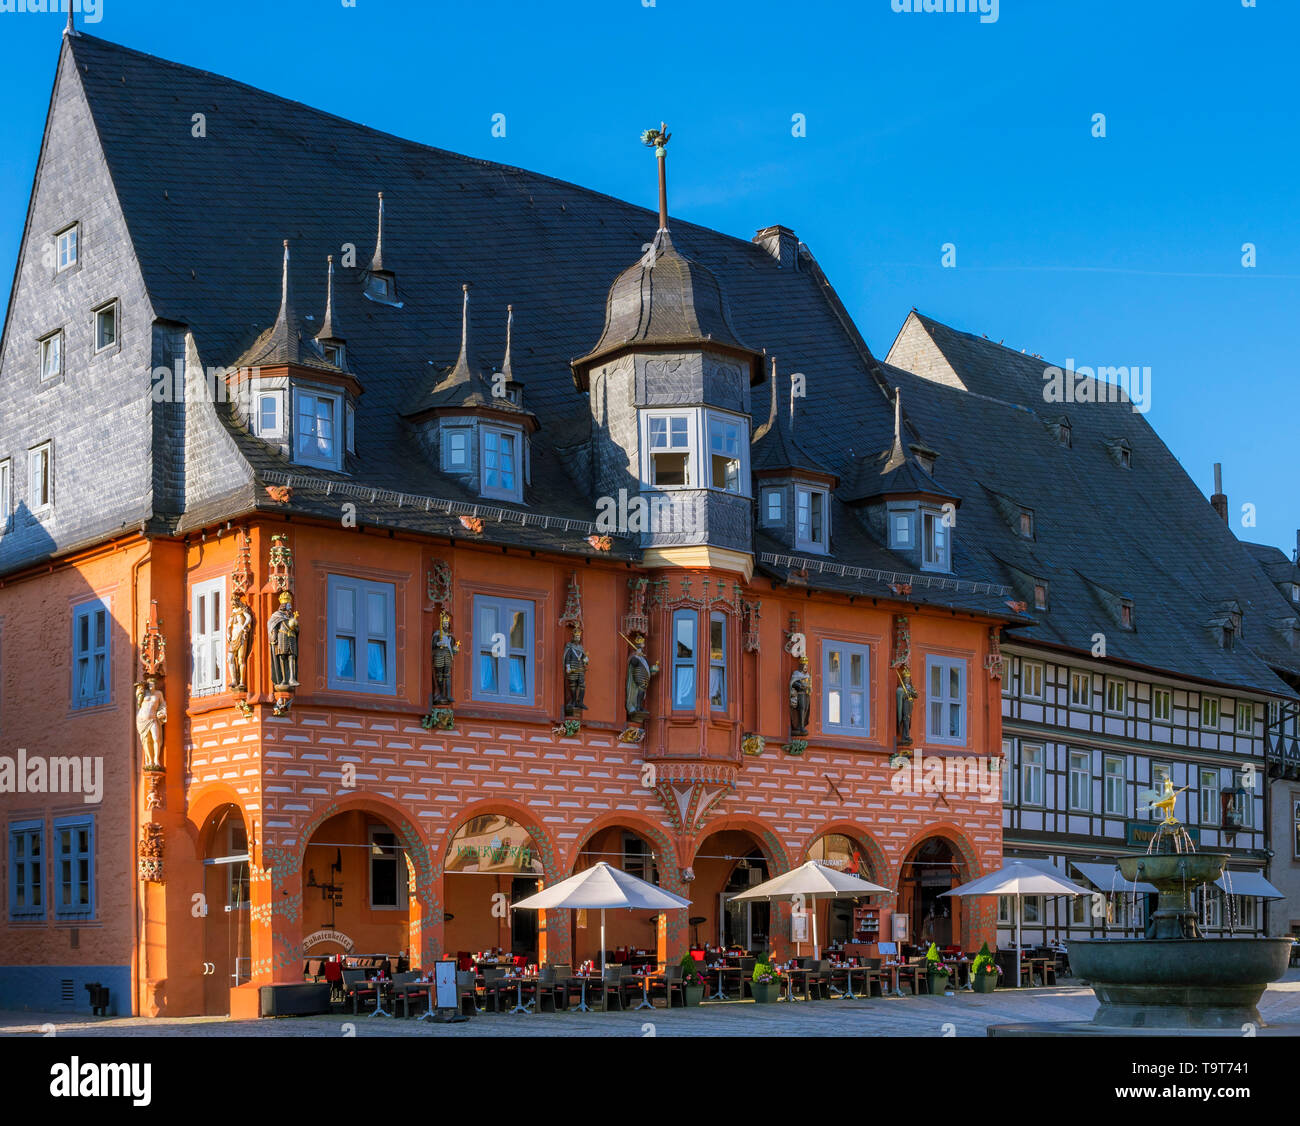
(1140, 833)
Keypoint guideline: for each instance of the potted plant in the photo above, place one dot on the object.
(984, 971)
(766, 982)
(693, 981)
(937, 971)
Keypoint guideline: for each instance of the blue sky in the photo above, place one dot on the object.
(921, 129)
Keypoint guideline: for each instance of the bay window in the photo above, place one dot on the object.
(501, 464)
(317, 417)
(810, 524)
(726, 445)
(669, 441)
(685, 625)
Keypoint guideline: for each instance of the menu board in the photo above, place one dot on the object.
(444, 976)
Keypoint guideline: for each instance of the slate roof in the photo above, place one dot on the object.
(1101, 532)
(285, 342)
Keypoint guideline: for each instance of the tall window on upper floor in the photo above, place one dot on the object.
(1210, 713)
(1080, 781)
(946, 702)
(936, 546)
(74, 867)
(1031, 680)
(26, 870)
(503, 650)
(811, 519)
(1031, 774)
(1008, 772)
(40, 477)
(317, 418)
(91, 655)
(845, 701)
(1113, 769)
(1161, 704)
(106, 327)
(361, 625)
(670, 445)
(207, 634)
(1210, 797)
(1081, 689)
(502, 476)
(6, 493)
(1116, 695)
(66, 244)
(1245, 717)
(718, 662)
(51, 355)
(727, 451)
(772, 511)
(685, 627)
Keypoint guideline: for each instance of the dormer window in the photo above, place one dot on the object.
(1229, 637)
(455, 449)
(267, 421)
(317, 418)
(936, 548)
(773, 506)
(725, 449)
(502, 476)
(334, 354)
(1040, 595)
(1063, 435)
(350, 414)
(1122, 452)
(380, 286)
(1125, 457)
(1126, 613)
(1026, 524)
(811, 532)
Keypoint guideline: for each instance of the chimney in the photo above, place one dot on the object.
(1220, 499)
(781, 244)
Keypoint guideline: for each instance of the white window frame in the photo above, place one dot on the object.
(6, 492)
(1032, 672)
(1246, 711)
(334, 459)
(450, 434)
(1159, 772)
(33, 459)
(350, 427)
(73, 230)
(741, 425)
(1116, 702)
(208, 636)
(483, 649)
(1080, 787)
(1115, 785)
(276, 430)
(1006, 910)
(498, 491)
(808, 543)
(1075, 702)
(718, 662)
(1209, 787)
(1032, 910)
(769, 495)
(88, 611)
(1008, 772)
(902, 519)
(1158, 695)
(1248, 802)
(362, 632)
(945, 702)
(50, 341)
(690, 448)
(1295, 824)
(936, 540)
(1213, 704)
(115, 308)
(1032, 774)
(847, 651)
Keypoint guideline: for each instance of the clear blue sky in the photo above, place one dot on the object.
(922, 129)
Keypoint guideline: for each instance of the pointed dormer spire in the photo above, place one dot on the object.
(286, 292)
(71, 30)
(377, 262)
(659, 138)
(896, 455)
(462, 361)
(792, 405)
(510, 322)
(327, 329)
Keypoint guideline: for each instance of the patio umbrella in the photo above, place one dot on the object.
(1019, 878)
(813, 880)
(599, 887)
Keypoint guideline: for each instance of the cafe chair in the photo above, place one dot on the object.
(547, 990)
(497, 988)
(611, 989)
(358, 988)
(566, 985)
(668, 984)
(420, 990)
(467, 993)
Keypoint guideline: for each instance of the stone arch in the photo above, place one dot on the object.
(212, 798)
(966, 919)
(778, 859)
(882, 871)
(954, 835)
(629, 819)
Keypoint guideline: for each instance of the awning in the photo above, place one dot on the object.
(1248, 883)
(1108, 878)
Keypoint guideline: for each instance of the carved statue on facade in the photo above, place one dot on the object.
(904, 697)
(800, 698)
(150, 715)
(575, 662)
(639, 672)
(283, 632)
(239, 636)
(445, 648)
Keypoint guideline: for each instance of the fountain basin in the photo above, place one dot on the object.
(1169, 871)
(1179, 982)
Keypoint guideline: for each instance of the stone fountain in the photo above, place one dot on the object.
(1175, 977)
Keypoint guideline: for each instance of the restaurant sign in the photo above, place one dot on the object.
(1141, 833)
(336, 937)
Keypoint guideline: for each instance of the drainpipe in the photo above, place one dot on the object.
(140, 955)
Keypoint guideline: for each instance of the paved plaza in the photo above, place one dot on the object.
(965, 1014)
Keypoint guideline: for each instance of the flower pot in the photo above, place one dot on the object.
(765, 992)
(986, 983)
(693, 994)
(936, 983)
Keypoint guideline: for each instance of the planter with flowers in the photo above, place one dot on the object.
(937, 972)
(766, 983)
(984, 971)
(693, 982)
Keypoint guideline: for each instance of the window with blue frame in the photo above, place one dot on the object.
(90, 655)
(946, 700)
(503, 650)
(845, 695)
(26, 870)
(685, 629)
(362, 629)
(74, 867)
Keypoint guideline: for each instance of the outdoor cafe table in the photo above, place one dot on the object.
(583, 1007)
(723, 973)
(404, 989)
(849, 968)
(644, 979)
(790, 976)
(520, 982)
(381, 987)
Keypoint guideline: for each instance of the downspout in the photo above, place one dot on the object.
(140, 955)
